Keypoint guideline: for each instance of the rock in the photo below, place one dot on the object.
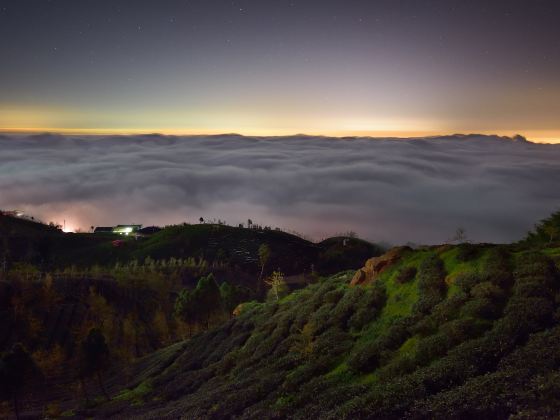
(238, 310)
(358, 278)
(375, 266)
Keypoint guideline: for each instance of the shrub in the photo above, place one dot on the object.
(480, 308)
(406, 275)
(335, 341)
(322, 318)
(347, 304)
(487, 290)
(466, 281)
(431, 273)
(442, 313)
(431, 347)
(431, 283)
(467, 252)
(497, 268)
(333, 296)
(369, 356)
(369, 307)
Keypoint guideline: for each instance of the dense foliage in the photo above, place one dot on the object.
(461, 338)
(546, 232)
(442, 332)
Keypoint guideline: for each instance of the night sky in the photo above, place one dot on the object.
(375, 67)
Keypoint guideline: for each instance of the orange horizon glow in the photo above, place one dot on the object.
(539, 136)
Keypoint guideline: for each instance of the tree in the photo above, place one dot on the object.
(305, 340)
(460, 235)
(249, 223)
(277, 284)
(5, 253)
(17, 369)
(546, 230)
(185, 308)
(552, 231)
(95, 359)
(264, 256)
(230, 297)
(161, 326)
(207, 297)
(201, 220)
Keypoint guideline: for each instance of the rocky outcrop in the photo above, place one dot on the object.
(375, 266)
(238, 310)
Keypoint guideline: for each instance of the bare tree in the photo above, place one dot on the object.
(552, 232)
(460, 236)
(264, 256)
(277, 284)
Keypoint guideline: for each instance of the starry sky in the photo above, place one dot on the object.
(275, 67)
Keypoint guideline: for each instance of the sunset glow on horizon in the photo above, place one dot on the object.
(536, 137)
(277, 68)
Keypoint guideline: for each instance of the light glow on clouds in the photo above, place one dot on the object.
(390, 190)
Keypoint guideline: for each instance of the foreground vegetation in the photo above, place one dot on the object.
(141, 296)
(453, 331)
(473, 332)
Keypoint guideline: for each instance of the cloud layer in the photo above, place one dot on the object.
(391, 190)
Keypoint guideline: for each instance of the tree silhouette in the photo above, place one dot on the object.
(460, 236)
(95, 359)
(229, 295)
(207, 297)
(186, 309)
(17, 369)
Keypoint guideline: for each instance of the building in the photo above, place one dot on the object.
(119, 229)
(103, 229)
(149, 230)
(126, 229)
(12, 213)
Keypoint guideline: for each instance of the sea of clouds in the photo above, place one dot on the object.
(393, 190)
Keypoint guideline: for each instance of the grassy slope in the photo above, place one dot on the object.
(479, 338)
(44, 246)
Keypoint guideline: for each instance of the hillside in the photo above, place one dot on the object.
(49, 248)
(142, 295)
(443, 332)
(450, 331)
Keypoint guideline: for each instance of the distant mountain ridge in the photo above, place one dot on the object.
(156, 135)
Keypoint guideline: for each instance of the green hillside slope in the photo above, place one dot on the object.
(48, 248)
(448, 332)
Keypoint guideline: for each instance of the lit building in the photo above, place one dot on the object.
(126, 229)
(119, 229)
